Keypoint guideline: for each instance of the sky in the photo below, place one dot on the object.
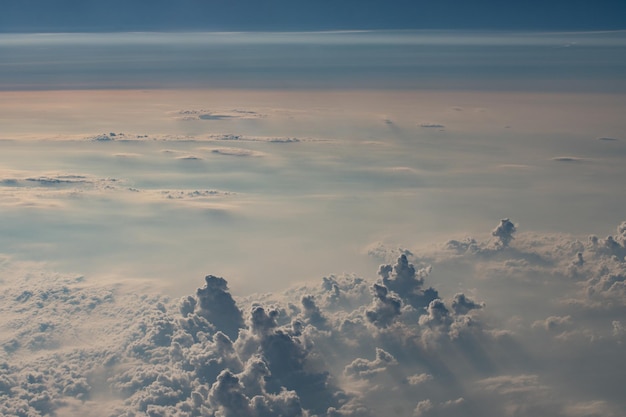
(290, 15)
(309, 209)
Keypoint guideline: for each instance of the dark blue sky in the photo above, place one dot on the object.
(286, 15)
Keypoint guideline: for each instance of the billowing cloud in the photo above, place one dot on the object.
(345, 347)
(504, 232)
(419, 379)
(405, 280)
(217, 306)
(462, 305)
(422, 408)
(363, 368)
(386, 307)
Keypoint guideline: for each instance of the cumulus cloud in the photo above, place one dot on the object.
(462, 305)
(553, 323)
(406, 281)
(348, 346)
(364, 368)
(385, 308)
(419, 378)
(504, 232)
(422, 408)
(217, 306)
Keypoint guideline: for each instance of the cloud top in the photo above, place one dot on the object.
(344, 347)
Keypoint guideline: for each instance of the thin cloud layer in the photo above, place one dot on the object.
(132, 137)
(46, 190)
(229, 151)
(234, 114)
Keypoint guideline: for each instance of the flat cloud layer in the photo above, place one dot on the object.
(313, 60)
(318, 167)
(348, 346)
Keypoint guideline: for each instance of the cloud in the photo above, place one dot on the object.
(568, 159)
(452, 313)
(135, 138)
(607, 139)
(45, 190)
(187, 194)
(241, 138)
(515, 166)
(363, 368)
(402, 170)
(235, 152)
(189, 158)
(383, 253)
(36, 189)
(313, 313)
(422, 408)
(553, 323)
(53, 180)
(406, 281)
(511, 384)
(235, 114)
(122, 137)
(619, 330)
(590, 409)
(217, 306)
(504, 232)
(126, 155)
(419, 379)
(346, 346)
(462, 305)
